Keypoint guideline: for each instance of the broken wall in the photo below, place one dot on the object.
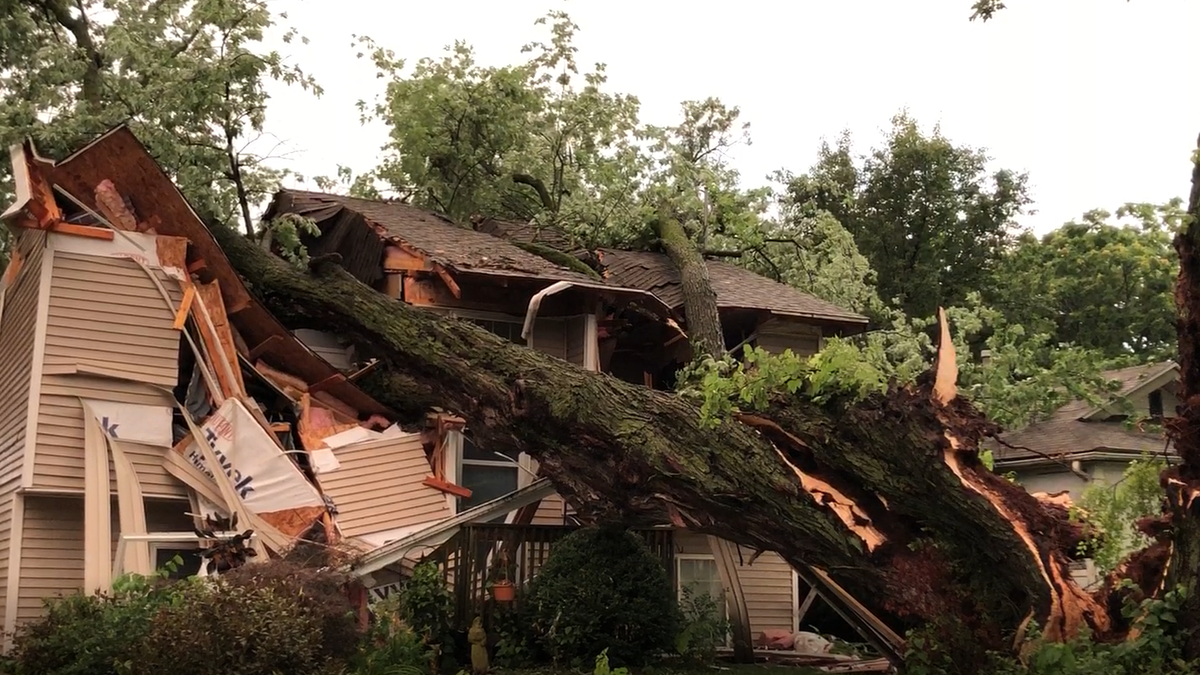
(109, 336)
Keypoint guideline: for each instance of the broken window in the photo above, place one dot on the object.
(1156, 404)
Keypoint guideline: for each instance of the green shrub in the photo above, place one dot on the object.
(705, 627)
(91, 635)
(516, 645)
(603, 589)
(390, 647)
(428, 608)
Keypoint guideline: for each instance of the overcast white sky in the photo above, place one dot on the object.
(1091, 97)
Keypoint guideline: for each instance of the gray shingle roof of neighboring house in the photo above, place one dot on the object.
(1067, 432)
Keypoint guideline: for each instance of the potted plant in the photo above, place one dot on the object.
(503, 589)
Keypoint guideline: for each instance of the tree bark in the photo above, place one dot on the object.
(707, 339)
(1181, 540)
(887, 495)
(699, 298)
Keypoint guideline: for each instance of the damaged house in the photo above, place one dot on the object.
(154, 401)
(623, 320)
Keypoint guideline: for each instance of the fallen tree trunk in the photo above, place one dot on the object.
(887, 495)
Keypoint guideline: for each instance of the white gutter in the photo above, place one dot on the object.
(534, 303)
(439, 533)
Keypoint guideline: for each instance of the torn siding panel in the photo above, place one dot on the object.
(58, 462)
(18, 330)
(107, 313)
(378, 486)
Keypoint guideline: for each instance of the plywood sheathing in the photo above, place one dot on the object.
(154, 201)
(218, 338)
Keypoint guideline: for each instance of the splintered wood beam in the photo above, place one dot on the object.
(42, 205)
(444, 274)
(365, 370)
(185, 307)
(446, 486)
(112, 206)
(87, 231)
(945, 387)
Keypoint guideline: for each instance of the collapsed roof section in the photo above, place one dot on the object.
(360, 230)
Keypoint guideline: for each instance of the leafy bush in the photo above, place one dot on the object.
(516, 645)
(1157, 649)
(91, 635)
(602, 588)
(427, 607)
(390, 647)
(249, 625)
(705, 627)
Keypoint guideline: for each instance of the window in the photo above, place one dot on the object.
(509, 330)
(699, 574)
(486, 474)
(1156, 404)
(165, 553)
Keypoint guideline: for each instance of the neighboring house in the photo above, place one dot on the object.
(1083, 444)
(624, 322)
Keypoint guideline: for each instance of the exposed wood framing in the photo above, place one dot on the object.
(185, 307)
(112, 206)
(87, 231)
(218, 338)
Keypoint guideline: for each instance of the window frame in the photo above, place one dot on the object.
(679, 585)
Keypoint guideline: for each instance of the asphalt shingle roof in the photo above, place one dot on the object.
(457, 248)
(1065, 432)
(736, 288)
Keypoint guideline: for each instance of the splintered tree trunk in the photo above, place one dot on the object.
(1178, 549)
(707, 339)
(886, 495)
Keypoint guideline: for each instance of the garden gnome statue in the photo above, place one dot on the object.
(478, 639)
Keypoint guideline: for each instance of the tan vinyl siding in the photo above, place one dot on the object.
(549, 337)
(51, 552)
(576, 339)
(371, 476)
(18, 329)
(767, 583)
(107, 313)
(8, 493)
(778, 335)
(52, 546)
(59, 457)
(550, 511)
